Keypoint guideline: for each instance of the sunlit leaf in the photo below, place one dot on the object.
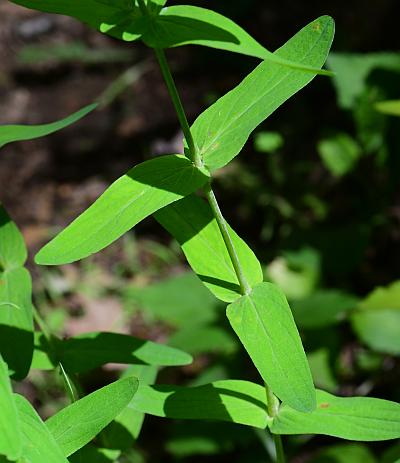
(39, 445)
(233, 401)
(264, 324)
(141, 192)
(77, 424)
(10, 133)
(222, 130)
(10, 432)
(193, 225)
(390, 107)
(352, 418)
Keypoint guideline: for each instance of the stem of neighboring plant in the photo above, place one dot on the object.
(273, 409)
(69, 386)
(180, 112)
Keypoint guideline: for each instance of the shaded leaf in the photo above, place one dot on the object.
(134, 196)
(13, 251)
(193, 225)
(39, 445)
(353, 418)
(10, 133)
(322, 308)
(76, 425)
(167, 302)
(220, 139)
(91, 350)
(119, 18)
(345, 453)
(10, 432)
(377, 320)
(240, 402)
(185, 24)
(265, 326)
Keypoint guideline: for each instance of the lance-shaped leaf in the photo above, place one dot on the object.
(16, 320)
(125, 429)
(79, 423)
(119, 18)
(234, 401)
(10, 432)
(185, 24)
(390, 107)
(264, 324)
(352, 418)
(191, 222)
(89, 351)
(222, 130)
(10, 133)
(134, 196)
(39, 445)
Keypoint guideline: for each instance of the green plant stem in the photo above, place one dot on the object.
(212, 200)
(180, 112)
(273, 409)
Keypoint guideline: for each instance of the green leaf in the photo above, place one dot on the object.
(390, 107)
(184, 24)
(119, 18)
(193, 225)
(134, 196)
(339, 153)
(16, 320)
(322, 308)
(352, 71)
(79, 423)
(10, 432)
(202, 339)
(89, 351)
(239, 402)
(92, 454)
(13, 251)
(321, 370)
(268, 142)
(39, 445)
(353, 418)
(265, 326)
(345, 453)
(10, 133)
(165, 301)
(377, 319)
(123, 432)
(220, 139)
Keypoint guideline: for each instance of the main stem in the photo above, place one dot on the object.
(272, 401)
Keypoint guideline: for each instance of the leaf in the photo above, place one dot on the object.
(16, 320)
(268, 142)
(322, 308)
(377, 319)
(321, 370)
(166, 301)
(76, 425)
(390, 107)
(345, 453)
(119, 18)
(10, 133)
(202, 339)
(134, 196)
(10, 432)
(264, 324)
(352, 71)
(123, 432)
(91, 350)
(240, 402)
(353, 418)
(185, 24)
(13, 251)
(220, 139)
(339, 154)
(193, 225)
(39, 445)
(92, 454)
